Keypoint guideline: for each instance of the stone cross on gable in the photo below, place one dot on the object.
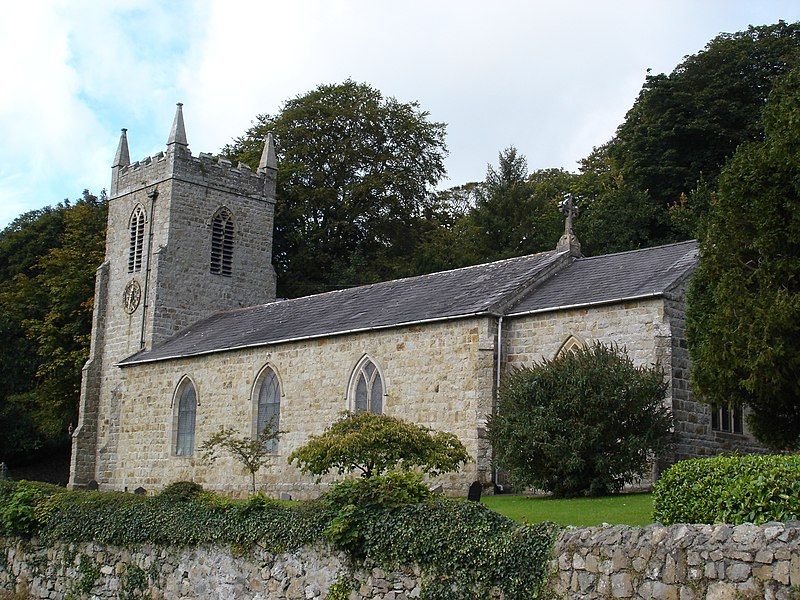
(568, 241)
(568, 209)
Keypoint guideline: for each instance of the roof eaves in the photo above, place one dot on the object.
(586, 304)
(129, 362)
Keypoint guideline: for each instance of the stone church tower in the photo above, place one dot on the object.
(187, 236)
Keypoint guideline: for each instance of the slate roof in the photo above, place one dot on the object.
(611, 277)
(486, 289)
(476, 290)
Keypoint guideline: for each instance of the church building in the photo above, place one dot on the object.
(188, 336)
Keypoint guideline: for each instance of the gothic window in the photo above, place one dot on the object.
(367, 387)
(185, 413)
(727, 418)
(571, 344)
(222, 242)
(268, 405)
(136, 230)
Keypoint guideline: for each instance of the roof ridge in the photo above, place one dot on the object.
(692, 241)
(388, 281)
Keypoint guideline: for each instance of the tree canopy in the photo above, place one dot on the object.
(47, 263)
(356, 173)
(743, 316)
(372, 444)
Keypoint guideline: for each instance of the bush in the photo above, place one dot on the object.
(17, 505)
(181, 491)
(581, 424)
(373, 444)
(729, 489)
(357, 500)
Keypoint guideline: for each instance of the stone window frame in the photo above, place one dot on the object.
(255, 390)
(727, 419)
(221, 255)
(573, 342)
(137, 223)
(352, 383)
(175, 407)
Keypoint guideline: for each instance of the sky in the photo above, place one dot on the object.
(553, 78)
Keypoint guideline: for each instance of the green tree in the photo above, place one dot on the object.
(743, 315)
(687, 124)
(49, 258)
(251, 453)
(356, 171)
(583, 423)
(517, 213)
(373, 444)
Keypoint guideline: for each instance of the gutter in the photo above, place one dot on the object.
(496, 408)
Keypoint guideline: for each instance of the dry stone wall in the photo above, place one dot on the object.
(680, 562)
(100, 572)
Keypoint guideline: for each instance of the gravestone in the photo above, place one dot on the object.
(3, 471)
(92, 485)
(140, 491)
(475, 490)
(286, 496)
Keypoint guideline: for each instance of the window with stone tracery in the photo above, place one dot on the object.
(222, 230)
(136, 230)
(185, 418)
(367, 388)
(268, 406)
(571, 344)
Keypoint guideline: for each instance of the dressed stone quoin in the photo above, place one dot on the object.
(188, 336)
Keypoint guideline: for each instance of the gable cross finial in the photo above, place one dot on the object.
(569, 242)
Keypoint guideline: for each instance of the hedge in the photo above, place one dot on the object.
(462, 547)
(729, 489)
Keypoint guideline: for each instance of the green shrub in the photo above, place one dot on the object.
(372, 444)
(355, 501)
(18, 502)
(181, 491)
(729, 489)
(583, 423)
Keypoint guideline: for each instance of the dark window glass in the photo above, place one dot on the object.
(715, 418)
(187, 410)
(269, 408)
(737, 419)
(725, 418)
(369, 389)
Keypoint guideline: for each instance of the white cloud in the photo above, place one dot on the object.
(554, 79)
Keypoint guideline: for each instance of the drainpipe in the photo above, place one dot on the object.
(497, 391)
(152, 194)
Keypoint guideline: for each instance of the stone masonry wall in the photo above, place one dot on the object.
(680, 562)
(99, 572)
(439, 374)
(693, 434)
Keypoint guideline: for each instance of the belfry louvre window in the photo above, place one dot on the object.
(368, 391)
(269, 408)
(136, 229)
(222, 243)
(187, 412)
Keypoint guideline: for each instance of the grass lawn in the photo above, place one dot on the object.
(625, 509)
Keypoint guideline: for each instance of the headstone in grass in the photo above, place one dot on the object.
(474, 493)
(93, 485)
(140, 491)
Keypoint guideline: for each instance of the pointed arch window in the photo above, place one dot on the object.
(367, 389)
(185, 417)
(268, 406)
(571, 344)
(222, 229)
(136, 230)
